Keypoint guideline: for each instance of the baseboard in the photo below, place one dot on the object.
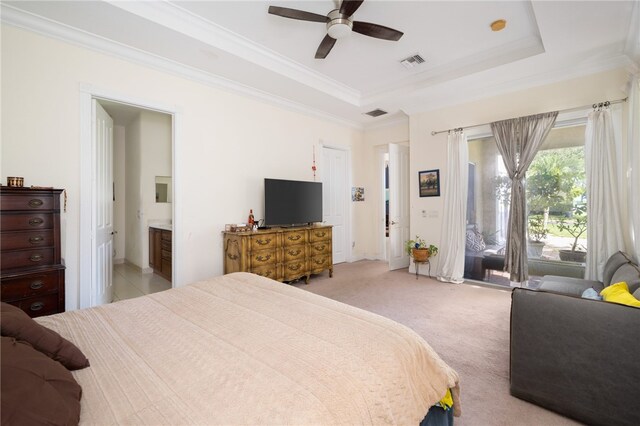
(118, 261)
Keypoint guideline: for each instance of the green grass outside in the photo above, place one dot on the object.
(553, 230)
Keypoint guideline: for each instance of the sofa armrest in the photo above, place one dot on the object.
(576, 356)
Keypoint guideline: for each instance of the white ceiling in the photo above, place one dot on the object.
(238, 45)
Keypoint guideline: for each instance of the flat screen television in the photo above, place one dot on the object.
(292, 202)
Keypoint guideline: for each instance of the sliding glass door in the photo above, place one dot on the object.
(556, 200)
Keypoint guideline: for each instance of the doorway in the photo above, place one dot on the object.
(96, 270)
(335, 196)
(142, 196)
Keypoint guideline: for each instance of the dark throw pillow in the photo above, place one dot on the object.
(36, 389)
(475, 241)
(14, 322)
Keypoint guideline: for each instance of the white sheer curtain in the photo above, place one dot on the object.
(452, 242)
(604, 219)
(633, 171)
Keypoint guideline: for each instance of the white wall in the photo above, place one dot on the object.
(133, 195)
(229, 143)
(155, 138)
(429, 152)
(119, 178)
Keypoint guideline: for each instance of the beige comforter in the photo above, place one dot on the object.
(242, 349)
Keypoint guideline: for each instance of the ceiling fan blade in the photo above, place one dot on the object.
(301, 15)
(377, 31)
(325, 47)
(348, 7)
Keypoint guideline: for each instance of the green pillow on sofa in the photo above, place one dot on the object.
(619, 293)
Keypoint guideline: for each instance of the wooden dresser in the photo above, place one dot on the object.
(160, 258)
(32, 274)
(283, 254)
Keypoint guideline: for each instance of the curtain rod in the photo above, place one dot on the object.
(598, 105)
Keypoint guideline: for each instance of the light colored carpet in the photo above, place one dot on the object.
(467, 325)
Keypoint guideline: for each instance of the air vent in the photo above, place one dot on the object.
(412, 61)
(376, 113)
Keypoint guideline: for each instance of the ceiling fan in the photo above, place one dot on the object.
(339, 24)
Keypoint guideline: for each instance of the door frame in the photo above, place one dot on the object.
(88, 201)
(347, 194)
(381, 151)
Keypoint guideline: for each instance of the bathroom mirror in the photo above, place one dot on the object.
(163, 189)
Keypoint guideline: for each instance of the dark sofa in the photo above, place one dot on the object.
(576, 356)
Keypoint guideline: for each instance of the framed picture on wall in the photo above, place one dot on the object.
(429, 183)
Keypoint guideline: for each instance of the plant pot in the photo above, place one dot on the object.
(573, 256)
(420, 254)
(534, 249)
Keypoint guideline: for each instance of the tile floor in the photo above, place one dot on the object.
(130, 282)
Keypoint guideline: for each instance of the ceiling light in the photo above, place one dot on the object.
(339, 25)
(498, 25)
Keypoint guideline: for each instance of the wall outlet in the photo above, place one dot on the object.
(424, 213)
(353, 244)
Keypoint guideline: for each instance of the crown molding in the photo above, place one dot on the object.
(474, 91)
(397, 118)
(176, 18)
(49, 28)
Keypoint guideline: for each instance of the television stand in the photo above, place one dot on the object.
(282, 254)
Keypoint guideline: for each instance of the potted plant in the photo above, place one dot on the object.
(419, 251)
(537, 233)
(576, 227)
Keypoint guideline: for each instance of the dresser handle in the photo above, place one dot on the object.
(34, 240)
(319, 261)
(36, 258)
(35, 202)
(36, 285)
(294, 253)
(320, 247)
(36, 306)
(294, 267)
(264, 242)
(36, 221)
(320, 234)
(293, 237)
(263, 258)
(232, 256)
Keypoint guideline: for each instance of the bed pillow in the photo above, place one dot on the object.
(14, 322)
(619, 293)
(35, 388)
(475, 241)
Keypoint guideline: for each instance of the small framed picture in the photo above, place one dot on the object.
(429, 183)
(357, 194)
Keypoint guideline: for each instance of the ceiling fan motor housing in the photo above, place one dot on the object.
(339, 25)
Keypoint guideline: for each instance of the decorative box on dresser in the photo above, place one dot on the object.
(32, 274)
(283, 254)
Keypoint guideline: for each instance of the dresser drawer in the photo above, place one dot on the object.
(269, 271)
(323, 247)
(25, 221)
(321, 262)
(294, 270)
(295, 237)
(166, 236)
(262, 257)
(295, 252)
(166, 245)
(30, 285)
(26, 239)
(39, 305)
(26, 258)
(319, 234)
(28, 202)
(263, 241)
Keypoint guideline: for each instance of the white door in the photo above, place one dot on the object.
(102, 181)
(334, 199)
(398, 205)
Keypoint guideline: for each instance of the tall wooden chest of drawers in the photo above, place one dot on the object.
(32, 274)
(283, 254)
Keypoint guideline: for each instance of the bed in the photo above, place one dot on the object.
(242, 349)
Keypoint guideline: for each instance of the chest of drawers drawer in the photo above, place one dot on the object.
(26, 258)
(26, 239)
(25, 221)
(263, 241)
(28, 202)
(295, 252)
(29, 285)
(320, 234)
(39, 305)
(295, 237)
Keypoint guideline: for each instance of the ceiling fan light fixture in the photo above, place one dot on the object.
(339, 29)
